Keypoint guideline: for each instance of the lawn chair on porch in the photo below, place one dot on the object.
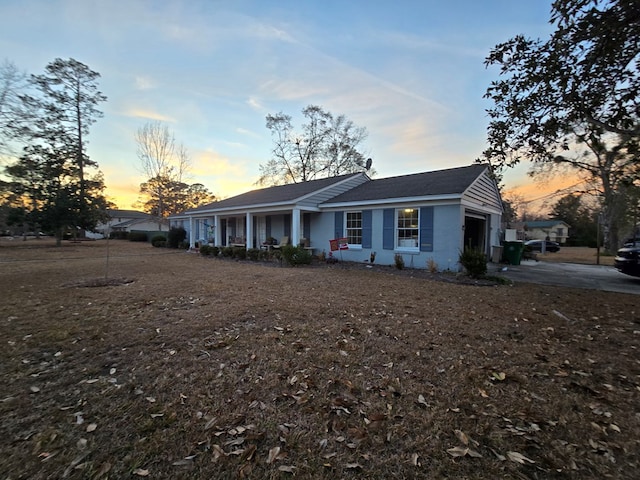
(283, 241)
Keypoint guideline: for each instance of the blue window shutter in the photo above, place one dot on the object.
(426, 229)
(388, 220)
(306, 227)
(339, 224)
(366, 228)
(287, 225)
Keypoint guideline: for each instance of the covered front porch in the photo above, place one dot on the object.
(251, 229)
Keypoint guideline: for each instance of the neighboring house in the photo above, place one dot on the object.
(554, 230)
(424, 217)
(127, 221)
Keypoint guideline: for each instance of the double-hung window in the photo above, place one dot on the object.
(407, 228)
(353, 228)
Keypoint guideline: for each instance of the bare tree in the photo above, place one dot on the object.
(163, 162)
(13, 83)
(326, 146)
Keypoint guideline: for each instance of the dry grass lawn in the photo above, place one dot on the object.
(181, 366)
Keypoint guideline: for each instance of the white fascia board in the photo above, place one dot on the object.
(481, 208)
(388, 201)
(264, 208)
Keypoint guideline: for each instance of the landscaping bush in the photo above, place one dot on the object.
(159, 241)
(215, 251)
(253, 254)
(295, 256)
(176, 236)
(205, 250)
(183, 245)
(399, 261)
(239, 252)
(138, 237)
(474, 262)
(227, 252)
(119, 235)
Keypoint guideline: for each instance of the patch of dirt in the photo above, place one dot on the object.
(205, 368)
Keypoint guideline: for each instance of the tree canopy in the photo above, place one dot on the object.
(54, 181)
(326, 145)
(166, 164)
(572, 100)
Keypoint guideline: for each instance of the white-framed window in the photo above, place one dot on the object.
(353, 228)
(407, 228)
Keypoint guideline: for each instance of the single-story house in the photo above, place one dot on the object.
(428, 218)
(127, 221)
(553, 230)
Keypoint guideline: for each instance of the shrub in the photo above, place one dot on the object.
(474, 261)
(138, 237)
(205, 250)
(399, 261)
(432, 266)
(296, 255)
(119, 235)
(253, 254)
(215, 251)
(159, 241)
(239, 252)
(176, 236)
(183, 245)
(227, 252)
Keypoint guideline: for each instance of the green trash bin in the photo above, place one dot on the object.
(513, 252)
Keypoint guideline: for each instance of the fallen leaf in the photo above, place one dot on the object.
(141, 472)
(287, 468)
(217, 452)
(500, 376)
(457, 451)
(422, 401)
(474, 454)
(353, 466)
(518, 458)
(34, 389)
(92, 427)
(273, 455)
(414, 460)
(462, 436)
(614, 427)
(104, 469)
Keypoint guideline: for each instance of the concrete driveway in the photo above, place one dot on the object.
(595, 277)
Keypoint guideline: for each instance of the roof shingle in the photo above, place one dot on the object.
(439, 182)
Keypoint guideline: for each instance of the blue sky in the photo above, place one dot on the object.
(411, 72)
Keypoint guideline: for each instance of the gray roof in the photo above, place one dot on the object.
(114, 213)
(273, 195)
(452, 181)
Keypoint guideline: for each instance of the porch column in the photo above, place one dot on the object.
(191, 233)
(295, 227)
(249, 230)
(216, 230)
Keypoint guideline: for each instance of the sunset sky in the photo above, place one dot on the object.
(411, 72)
